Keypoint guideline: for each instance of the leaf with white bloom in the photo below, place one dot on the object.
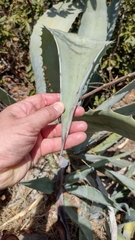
(112, 10)
(60, 16)
(75, 68)
(111, 121)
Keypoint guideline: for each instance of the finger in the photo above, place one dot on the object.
(79, 111)
(54, 145)
(51, 131)
(42, 100)
(42, 117)
(32, 104)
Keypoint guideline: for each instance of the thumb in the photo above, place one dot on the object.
(45, 115)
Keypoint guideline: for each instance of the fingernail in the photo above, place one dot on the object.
(59, 107)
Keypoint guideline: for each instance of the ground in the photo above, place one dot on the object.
(27, 211)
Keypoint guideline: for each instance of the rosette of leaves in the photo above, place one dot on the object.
(65, 62)
(91, 199)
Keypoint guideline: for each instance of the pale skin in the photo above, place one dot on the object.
(26, 134)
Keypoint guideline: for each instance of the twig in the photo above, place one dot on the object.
(130, 75)
(32, 12)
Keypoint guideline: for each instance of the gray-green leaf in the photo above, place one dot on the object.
(41, 184)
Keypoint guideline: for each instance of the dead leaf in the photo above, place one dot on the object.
(15, 39)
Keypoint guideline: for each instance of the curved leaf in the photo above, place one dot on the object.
(6, 98)
(92, 194)
(81, 235)
(112, 10)
(115, 98)
(115, 160)
(127, 110)
(105, 144)
(41, 184)
(110, 121)
(94, 20)
(94, 26)
(75, 68)
(128, 182)
(76, 176)
(81, 220)
(112, 223)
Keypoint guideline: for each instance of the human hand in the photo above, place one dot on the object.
(26, 135)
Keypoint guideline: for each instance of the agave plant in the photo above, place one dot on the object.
(66, 62)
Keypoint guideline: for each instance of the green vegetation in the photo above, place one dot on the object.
(87, 161)
(17, 19)
(120, 60)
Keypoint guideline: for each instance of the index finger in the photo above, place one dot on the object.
(42, 100)
(34, 103)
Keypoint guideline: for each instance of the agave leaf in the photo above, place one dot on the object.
(44, 185)
(110, 121)
(50, 63)
(79, 219)
(99, 163)
(104, 145)
(128, 182)
(62, 15)
(100, 185)
(91, 194)
(6, 98)
(131, 170)
(63, 228)
(101, 21)
(107, 105)
(120, 236)
(112, 10)
(99, 27)
(121, 155)
(82, 52)
(130, 217)
(94, 20)
(120, 178)
(81, 235)
(93, 158)
(94, 26)
(115, 98)
(115, 160)
(124, 205)
(98, 136)
(91, 138)
(107, 173)
(113, 224)
(128, 110)
(58, 18)
(76, 176)
(121, 163)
